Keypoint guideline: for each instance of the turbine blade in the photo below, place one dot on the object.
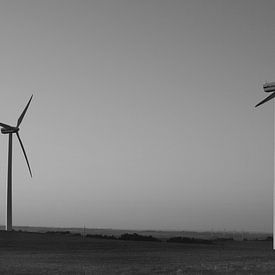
(24, 152)
(6, 126)
(266, 99)
(23, 113)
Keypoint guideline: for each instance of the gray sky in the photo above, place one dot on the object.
(142, 116)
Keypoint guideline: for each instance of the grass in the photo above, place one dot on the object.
(34, 253)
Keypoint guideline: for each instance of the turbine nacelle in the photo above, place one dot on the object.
(269, 87)
(9, 130)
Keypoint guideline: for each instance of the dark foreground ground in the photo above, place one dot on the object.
(36, 253)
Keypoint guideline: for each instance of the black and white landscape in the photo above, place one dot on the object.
(142, 120)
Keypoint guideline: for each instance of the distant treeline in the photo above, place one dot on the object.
(146, 238)
(133, 237)
(125, 237)
(189, 240)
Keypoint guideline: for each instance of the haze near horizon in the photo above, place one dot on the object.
(143, 113)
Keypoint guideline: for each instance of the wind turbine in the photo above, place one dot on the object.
(7, 129)
(270, 88)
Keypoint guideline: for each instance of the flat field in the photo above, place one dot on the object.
(36, 253)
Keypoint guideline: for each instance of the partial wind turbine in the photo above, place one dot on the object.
(7, 129)
(270, 88)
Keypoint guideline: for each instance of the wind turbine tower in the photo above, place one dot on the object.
(270, 88)
(7, 129)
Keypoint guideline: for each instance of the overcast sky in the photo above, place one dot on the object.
(143, 113)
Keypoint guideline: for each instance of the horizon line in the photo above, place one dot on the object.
(146, 230)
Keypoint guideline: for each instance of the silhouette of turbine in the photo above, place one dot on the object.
(270, 88)
(7, 129)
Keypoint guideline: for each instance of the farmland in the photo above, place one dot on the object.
(37, 253)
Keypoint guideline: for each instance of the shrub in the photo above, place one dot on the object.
(98, 236)
(137, 237)
(188, 240)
